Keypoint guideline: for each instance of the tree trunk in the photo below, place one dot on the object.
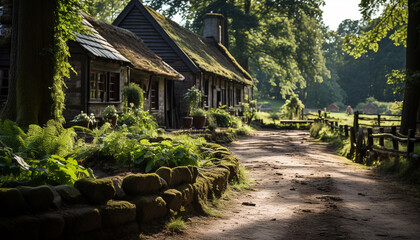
(412, 85)
(32, 62)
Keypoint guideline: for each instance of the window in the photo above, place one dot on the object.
(4, 84)
(114, 86)
(238, 96)
(104, 86)
(154, 95)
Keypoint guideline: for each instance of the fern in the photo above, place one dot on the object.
(11, 135)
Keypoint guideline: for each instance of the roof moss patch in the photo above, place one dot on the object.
(205, 53)
(133, 48)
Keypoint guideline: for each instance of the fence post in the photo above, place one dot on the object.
(356, 121)
(325, 114)
(379, 120)
(340, 129)
(319, 114)
(394, 141)
(410, 144)
(370, 138)
(332, 125)
(352, 140)
(381, 139)
(346, 130)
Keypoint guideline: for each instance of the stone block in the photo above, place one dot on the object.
(20, 228)
(51, 225)
(70, 195)
(181, 175)
(116, 213)
(81, 220)
(11, 202)
(165, 173)
(96, 191)
(142, 184)
(38, 198)
(173, 199)
(187, 191)
(149, 207)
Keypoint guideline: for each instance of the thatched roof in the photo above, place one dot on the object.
(207, 54)
(132, 48)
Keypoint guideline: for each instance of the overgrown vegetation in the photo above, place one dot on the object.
(404, 168)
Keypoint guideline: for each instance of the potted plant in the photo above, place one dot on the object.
(193, 97)
(84, 120)
(110, 114)
(232, 110)
(199, 118)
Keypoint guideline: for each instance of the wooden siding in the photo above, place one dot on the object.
(136, 22)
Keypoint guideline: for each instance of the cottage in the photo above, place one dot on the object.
(370, 109)
(205, 62)
(333, 108)
(105, 61)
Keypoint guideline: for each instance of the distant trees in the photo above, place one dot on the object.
(353, 80)
(279, 42)
(402, 18)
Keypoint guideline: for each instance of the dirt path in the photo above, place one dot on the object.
(305, 191)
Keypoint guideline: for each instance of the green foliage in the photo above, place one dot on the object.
(193, 97)
(109, 112)
(83, 117)
(69, 22)
(198, 112)
(219, 117)
(176, 224)
(106, 10)
(134, 95)
(52, 170)
(292, 107)
(137, 121)
(392, 23)
(19, 160)
(151, 156)
(117, 145)
(323, 132)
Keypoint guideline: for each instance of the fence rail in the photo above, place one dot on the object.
(362, 138)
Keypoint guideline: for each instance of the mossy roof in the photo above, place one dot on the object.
(133, 49)
(207, 54)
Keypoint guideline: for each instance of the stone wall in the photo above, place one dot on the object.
(109, 208)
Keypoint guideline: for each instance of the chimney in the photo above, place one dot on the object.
(214, 26)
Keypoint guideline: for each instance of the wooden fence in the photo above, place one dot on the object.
(361, 137)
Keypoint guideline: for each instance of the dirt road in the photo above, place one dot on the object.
(305, 191)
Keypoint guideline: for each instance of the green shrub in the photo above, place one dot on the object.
(138, 121)
(198, 112)
(53, 170)
(151, 156)
(220, 117)
(193, 97)
(134, 95)
(176, 224)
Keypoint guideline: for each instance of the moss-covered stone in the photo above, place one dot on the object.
(115, 213)
(166, 174)
(194, 173)
(149, 207)
(38, 198)
(21, 227)
(173, 199)
(141, 184)
(201, 190)
(11, 202)
(81, 220)
(187, 191)
(181, 175)
(218, 178)
(70, 195)
(119, 192)
(51, 225)
(96, 191)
